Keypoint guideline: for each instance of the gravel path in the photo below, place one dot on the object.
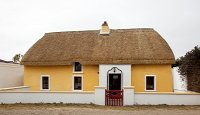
(97, 110)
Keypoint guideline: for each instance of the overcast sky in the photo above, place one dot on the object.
(23, 22)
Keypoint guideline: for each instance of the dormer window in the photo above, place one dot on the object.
(77, 67)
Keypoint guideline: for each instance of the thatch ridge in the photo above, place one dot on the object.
(121, 46)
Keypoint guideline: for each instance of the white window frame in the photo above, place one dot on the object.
(77, 71)
(154, 82)
(75, 90)
(41, 88)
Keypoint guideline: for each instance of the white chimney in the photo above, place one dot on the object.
(104, 29)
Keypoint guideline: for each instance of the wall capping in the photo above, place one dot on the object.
(89, 92)
(170, 93)
(100, 87)
(128, 87)
(11, 88)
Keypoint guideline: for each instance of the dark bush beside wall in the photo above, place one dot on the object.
(189, 68)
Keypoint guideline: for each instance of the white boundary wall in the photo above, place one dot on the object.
(100, 95)
(167, 98)
(47, 97)
(142, 98)
(11, 75)
(128, 95)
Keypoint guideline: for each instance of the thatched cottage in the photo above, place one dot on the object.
(111, 58)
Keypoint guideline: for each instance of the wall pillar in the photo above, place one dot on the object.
(128, 95)
(100, 95)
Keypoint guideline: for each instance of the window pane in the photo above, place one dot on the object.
(150, 83)
(77, 83)
(45, 82)
(77, 67)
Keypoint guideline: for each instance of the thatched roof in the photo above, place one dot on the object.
(121, 46)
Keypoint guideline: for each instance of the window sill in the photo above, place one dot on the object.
(77, 72)
(44, 89)
(150, 90)
(77, 90)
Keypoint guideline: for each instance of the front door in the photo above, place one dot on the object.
(114, 94)
(114, 81)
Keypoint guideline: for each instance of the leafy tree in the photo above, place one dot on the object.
(189, 68)
(177, 63)
(17, 58)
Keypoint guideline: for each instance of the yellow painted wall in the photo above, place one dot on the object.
(164, 81)
(61, 77)
(90, 77)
